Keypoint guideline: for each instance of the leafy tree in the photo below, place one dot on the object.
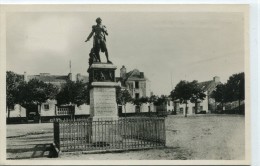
(12, 82)
(219, 94)
(161, 100)
(139, 101)
(123, 97)
(197, 94)
(235, 88)
(185, 91)
(153, 99)
(35, 92)
(73, 93)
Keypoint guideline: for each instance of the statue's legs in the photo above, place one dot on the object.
(106, 53)
(98, 57)
(100, 45)
(104, 49)
(96, 52)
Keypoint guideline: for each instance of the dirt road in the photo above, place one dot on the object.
(200, 137)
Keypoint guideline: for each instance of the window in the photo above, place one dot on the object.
(181, 110)
(169, 102)
(136, 85)
(201, 108)
(137, 109)
(137, 95)
(46, 106)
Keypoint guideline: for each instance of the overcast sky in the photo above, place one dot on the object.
(188, 46)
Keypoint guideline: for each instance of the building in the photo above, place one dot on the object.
(138, 86)
(82, 78)
(135, 82)
(207, 105)
(50, 109)
(57, 80)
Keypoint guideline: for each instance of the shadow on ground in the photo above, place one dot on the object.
(29, 145)
(37, 151)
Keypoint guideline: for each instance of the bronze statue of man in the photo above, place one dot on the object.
(99, 42)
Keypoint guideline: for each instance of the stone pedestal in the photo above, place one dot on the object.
(103, 105)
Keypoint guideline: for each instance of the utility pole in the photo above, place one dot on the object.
(171, 82)
(238, 85)
(70, 66)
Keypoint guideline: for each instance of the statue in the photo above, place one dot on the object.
(99, 42)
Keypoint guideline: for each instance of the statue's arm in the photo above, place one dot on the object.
(91, 34)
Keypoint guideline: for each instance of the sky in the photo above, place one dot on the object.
(166, 46)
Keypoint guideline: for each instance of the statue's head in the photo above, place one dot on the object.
(98, 20)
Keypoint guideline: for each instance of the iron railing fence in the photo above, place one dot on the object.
(123, 134)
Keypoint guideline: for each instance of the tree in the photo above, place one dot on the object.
(139, 101)
(161, 100)
(185, 91)
(12, 82)
(219, 94)
(73, 93)
(182, 92)
(197, 94)
(153, 99)
(123, 97)
(235, 88)
(35, 92)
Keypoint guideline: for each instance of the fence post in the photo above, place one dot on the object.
(164, 131)
(57, 134)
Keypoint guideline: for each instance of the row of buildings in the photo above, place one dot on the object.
(134, 81)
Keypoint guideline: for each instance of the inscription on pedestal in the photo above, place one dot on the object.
(103, 101)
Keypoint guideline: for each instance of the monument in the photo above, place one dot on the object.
(103, 106)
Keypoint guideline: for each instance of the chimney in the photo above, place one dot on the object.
(122, 72)
(216, 79)
(25, 76)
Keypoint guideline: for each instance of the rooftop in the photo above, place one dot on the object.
(49, 78)
(209, 85)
